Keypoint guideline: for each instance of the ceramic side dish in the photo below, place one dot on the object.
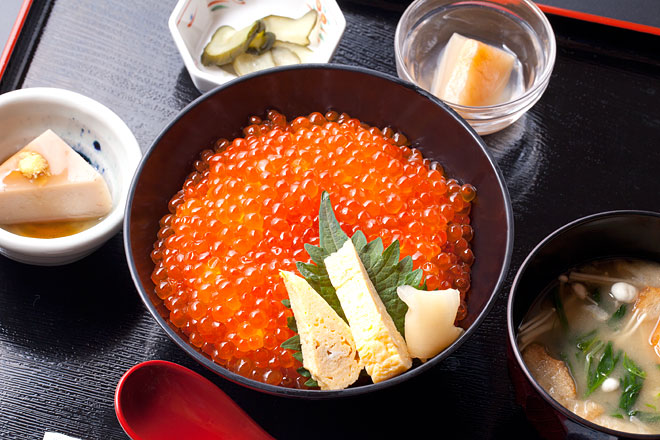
(192, 23)
(293, 92)
(615, 234)
(92, 130)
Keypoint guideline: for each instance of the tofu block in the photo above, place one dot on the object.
(429, 324)
(381, 347)
(48, 181)
(472, 73)
(328, 348)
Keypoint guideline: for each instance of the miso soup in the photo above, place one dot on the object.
(592, 341)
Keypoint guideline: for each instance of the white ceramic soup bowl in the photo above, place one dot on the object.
(91, 129)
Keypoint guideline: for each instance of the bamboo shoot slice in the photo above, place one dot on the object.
(292, 30)
(301, 51)
(248, 63)
(284, 57)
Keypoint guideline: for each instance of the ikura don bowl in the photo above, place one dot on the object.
(374, 98)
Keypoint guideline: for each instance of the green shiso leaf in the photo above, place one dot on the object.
(386, 271)
(305, 373)
(385, 268)
(293, 343)
(331, 236)
(291, 323)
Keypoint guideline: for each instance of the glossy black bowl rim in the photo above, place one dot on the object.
(318, 394)
(512, 331)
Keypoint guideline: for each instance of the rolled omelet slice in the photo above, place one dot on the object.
(328, 347)
(381, 347)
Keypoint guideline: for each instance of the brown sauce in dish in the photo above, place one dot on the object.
(51, 229)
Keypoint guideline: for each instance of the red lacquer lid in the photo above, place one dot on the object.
(636, 15)
(21, 8)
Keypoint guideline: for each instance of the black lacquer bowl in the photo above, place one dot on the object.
(614, 234)
(376, 99)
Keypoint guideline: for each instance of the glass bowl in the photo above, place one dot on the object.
(518, 26)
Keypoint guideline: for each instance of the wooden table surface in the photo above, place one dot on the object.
(67, 334)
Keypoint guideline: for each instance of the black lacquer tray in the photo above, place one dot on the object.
(591, 144)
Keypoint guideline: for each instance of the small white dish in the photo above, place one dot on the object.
(96, 133)
(192, 23)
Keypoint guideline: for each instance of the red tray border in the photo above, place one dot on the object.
(13, 35)
(599, 19)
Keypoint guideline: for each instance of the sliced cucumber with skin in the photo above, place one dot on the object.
(301, 51)
(292, 30)
(262, 42)
(284, 57)
(248, 63)
(227, 43)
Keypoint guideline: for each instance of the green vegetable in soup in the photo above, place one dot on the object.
(559, 308)
(616, 316)
(646, 417)
(631, 384)
(606, 364)
(589, 343)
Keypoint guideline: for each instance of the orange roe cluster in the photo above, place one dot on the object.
(251, 204)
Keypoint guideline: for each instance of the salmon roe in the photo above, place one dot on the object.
(251, 204)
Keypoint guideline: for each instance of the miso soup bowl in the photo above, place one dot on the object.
(613, 234)
(374, 98)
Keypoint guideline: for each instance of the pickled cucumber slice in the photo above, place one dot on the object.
(248, 63)
(261, 42)
(227, 43)
(301, 51)
(292, 30)
(284, 57)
